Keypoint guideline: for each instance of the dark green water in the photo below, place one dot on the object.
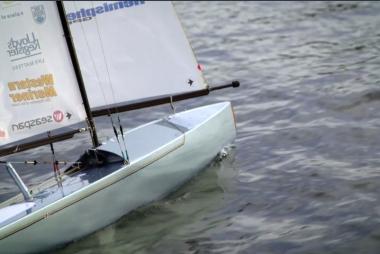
(303, 175)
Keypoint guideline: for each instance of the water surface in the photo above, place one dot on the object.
(303, 175)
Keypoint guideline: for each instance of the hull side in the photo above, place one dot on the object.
(93, 210)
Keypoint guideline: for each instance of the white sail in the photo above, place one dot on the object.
(38, 86)
(131, 50)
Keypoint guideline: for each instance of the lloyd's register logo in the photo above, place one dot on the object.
(25, 47)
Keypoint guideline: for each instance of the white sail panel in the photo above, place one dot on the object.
(131, 50)
(38, 86)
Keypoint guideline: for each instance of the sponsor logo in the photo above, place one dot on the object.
(29, 124)
(38, 13)
(27, 64)
(24, 47)
(6, 6)
(3, 134)
(87, 14)
(58, 116)
(32, 89)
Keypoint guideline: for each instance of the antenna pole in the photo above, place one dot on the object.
(74, 59)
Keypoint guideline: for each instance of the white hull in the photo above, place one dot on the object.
(147, 178)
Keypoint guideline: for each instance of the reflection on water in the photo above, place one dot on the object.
(304, 175)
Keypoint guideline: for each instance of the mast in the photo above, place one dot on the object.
(74, 59)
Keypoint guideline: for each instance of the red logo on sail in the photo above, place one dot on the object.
(3, 134)
(58, 116)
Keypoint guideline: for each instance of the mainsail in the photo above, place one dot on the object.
(38, 86)
(132, 50)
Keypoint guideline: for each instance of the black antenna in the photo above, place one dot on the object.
(78, 74)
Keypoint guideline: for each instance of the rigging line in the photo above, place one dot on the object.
(57, 173)
(172, 104)
(35, 162)
(104, 58)
(109, 79)
(117, 137)
(97, 75)
(122, 136)
(92, 57)
(118, 141)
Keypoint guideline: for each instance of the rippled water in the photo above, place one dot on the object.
(303, 175)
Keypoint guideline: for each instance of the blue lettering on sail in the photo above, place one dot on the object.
(87, 14)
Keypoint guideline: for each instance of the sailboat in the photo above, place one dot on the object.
(61, 65)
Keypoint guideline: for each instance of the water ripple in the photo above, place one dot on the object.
(304, 174)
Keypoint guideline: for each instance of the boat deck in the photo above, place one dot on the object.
(140, 141)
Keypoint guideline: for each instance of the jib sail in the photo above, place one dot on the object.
(131, 50)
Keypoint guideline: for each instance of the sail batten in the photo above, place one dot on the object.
(38, 85)
(137, 48)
